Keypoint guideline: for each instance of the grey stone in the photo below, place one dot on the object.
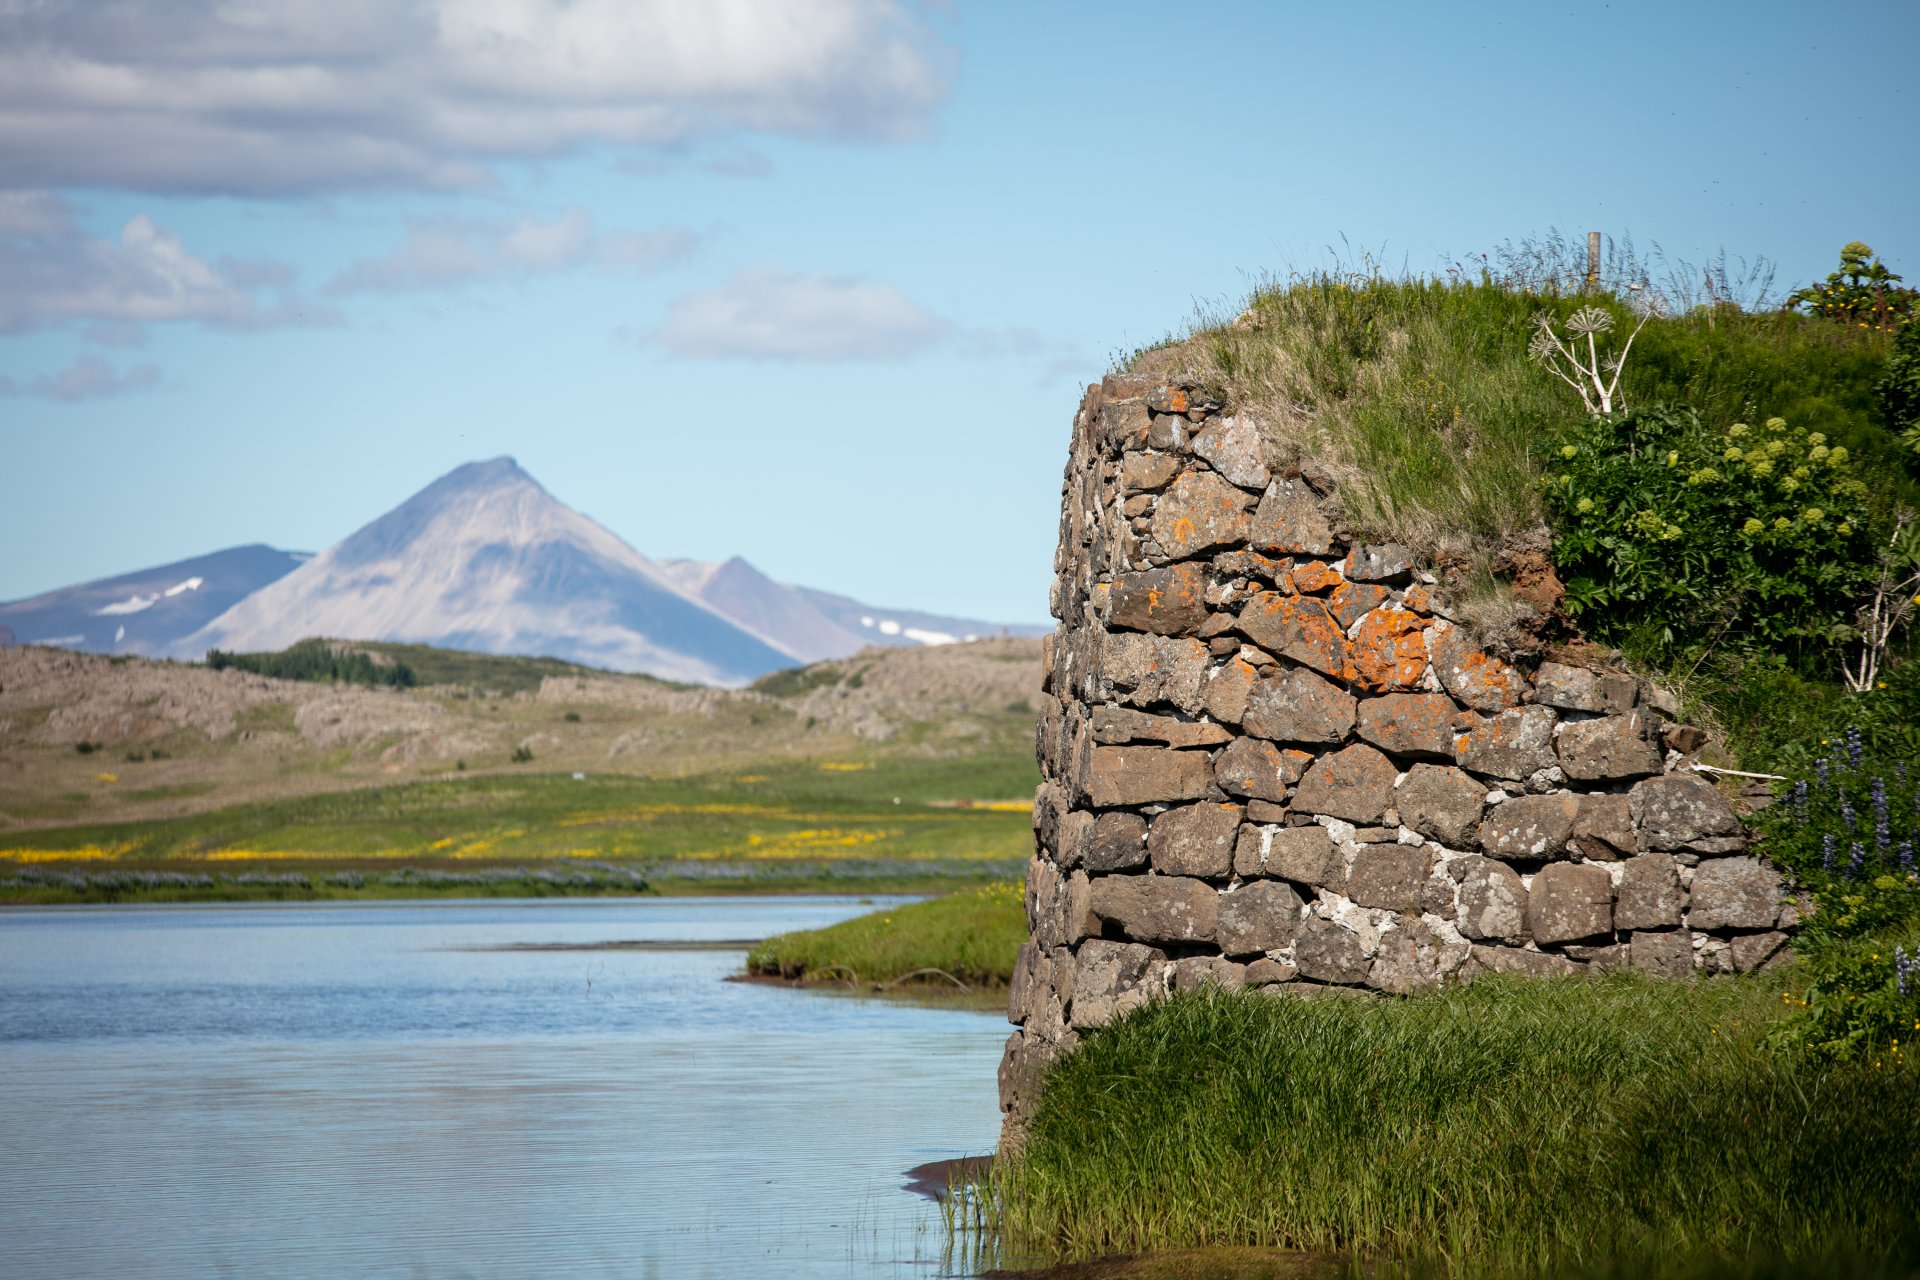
(1296, 705)
(1289, 519)
(1124, 423)
(1407, 960)
(1141, 472)
(1469, 673)
(1155, 669)
(1676, 812)
(1059, 906)
(1265, 972)
(1166, 432)
(1351, 601)
(1441, 804)
(1194, 840)
(1110, 978)
(1718, 846)
(1199, 512)
(1262, 915)
(1390, 876)
(1304, 855)
(1119, 843)
(1157, 908)
(1125, 776)
(1513, 744)
(1191, 973)
(1649, 894)
(1325, 952)
(1493, 902)
(1531, 964)
(1609, 749)
(1378, 563)
(1610, 958)
(1170, 601)
(1233, 447)
(1604, 829)
(1410, 724)
(1664, 955)
(1020, 988)
(1117, 726)
(1074, 838)
(1250, 767)
(1298, 628)
(1734, 893)
(1753, 950)
(1568, 902)
(1578, 689)
(1229, 688)
(1355, 784)
(1530, 827)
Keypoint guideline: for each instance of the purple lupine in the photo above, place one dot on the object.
(1857, 864)
(1798, 797)
(1826, 852)
(1906, 856)
(1820, 770)
(1882, 833)
(1906, 969)
(1847, 815)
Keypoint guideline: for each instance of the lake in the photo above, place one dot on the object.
(377, 1090)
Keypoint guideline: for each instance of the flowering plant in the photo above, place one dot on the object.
(1863, 293)
(1667, 529)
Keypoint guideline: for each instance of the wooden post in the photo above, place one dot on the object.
(1593, 261)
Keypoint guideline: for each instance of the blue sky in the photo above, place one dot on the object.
(818, 283)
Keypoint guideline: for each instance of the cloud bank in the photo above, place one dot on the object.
(88, 378)
(449, 252)
(286, 97)
(770, 314)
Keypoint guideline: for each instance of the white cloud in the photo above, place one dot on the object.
(768, 314)
(52, 273)
(88, 378)
(445, 253)
(296, 96)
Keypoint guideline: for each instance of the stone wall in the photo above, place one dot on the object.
(1272, 759)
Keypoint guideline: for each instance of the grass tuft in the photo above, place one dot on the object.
(972, 937)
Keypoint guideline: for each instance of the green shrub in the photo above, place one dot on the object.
(1678, 536)
(316, 660)
(1899, 389)
(1862, 294)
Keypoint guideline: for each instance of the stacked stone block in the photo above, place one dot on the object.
(1272, 759)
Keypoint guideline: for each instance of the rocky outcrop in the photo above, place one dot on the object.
(1272, 759)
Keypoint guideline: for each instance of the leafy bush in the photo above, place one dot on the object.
(316, 660)
(1851, 819)
(1863, 293)
(1899, 389)
(1675, 535)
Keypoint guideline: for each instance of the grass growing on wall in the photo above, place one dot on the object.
(973, 936)
(1507, 1128)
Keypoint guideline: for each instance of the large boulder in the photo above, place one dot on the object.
(1390, 876)
(1296, 705)
(1355, 784)
(1109, 978)
(1734, 893)
(1259, 916)
(1194, 840)
(1678, 812)
(1649, 894)
(1493, 901)
(1441, 804)
(1158, 908)
(1569, 902)
(1305, 855)
(1530, 828)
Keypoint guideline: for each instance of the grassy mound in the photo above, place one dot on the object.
(973, 936)
(1505, 1128)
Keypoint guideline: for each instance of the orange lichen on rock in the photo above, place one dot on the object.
(1315, 575)
(1299, 628)
(1472, 675)
(1390, 650)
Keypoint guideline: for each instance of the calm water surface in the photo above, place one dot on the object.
(366, 1090)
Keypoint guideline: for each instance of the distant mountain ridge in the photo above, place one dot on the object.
(484, 559)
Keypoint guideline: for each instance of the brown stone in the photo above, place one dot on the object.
(1355, 784)
(1117, 726)
(1262, 915)
(1529, 964)
(1664, 955)
(1233, 447)
(1299, 628)
(1390, 650)
(1381, 563)
(1751, 951)
(1155, 669)
(1124, 424)
(1573, 688)
(1191, 973)
(1265, 973)
(1073, 836)
(1568, 902)
(1610, 749)
(1469, 673)
(1268, 811)
(1604, 829)
(1679, 811)
(1442, 804)
(1325, 952)
(1407, 960)
(1410, 724)
(1420, 599)
(1493, 901)
(1734, 893)
(1157, 908)
(1119, 843)
(1254, 768)
(1295, 705)
(1110, 978)
(1389, 876)
(1312, 576)
(1513, 744)
(1228, 688)
(1649, 894)
(1351, 601)
(1194, 840)
(1059, 907)
(1304, 855)
(1199, 512)
(1170, 601)
(1251, 565)
(1124, 776)
(1530, 827)
(1144, 472)
(1289, 519)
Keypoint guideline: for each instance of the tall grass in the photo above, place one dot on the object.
(972, 937)
(1505, 1128)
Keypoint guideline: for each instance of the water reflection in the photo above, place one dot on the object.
(347, 1090)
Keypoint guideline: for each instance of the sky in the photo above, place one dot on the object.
(814, 282)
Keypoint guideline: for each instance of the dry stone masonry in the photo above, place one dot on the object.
(1272, 760)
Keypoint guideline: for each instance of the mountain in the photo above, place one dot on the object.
(817, 625)
(148, 612)
(485, 559)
